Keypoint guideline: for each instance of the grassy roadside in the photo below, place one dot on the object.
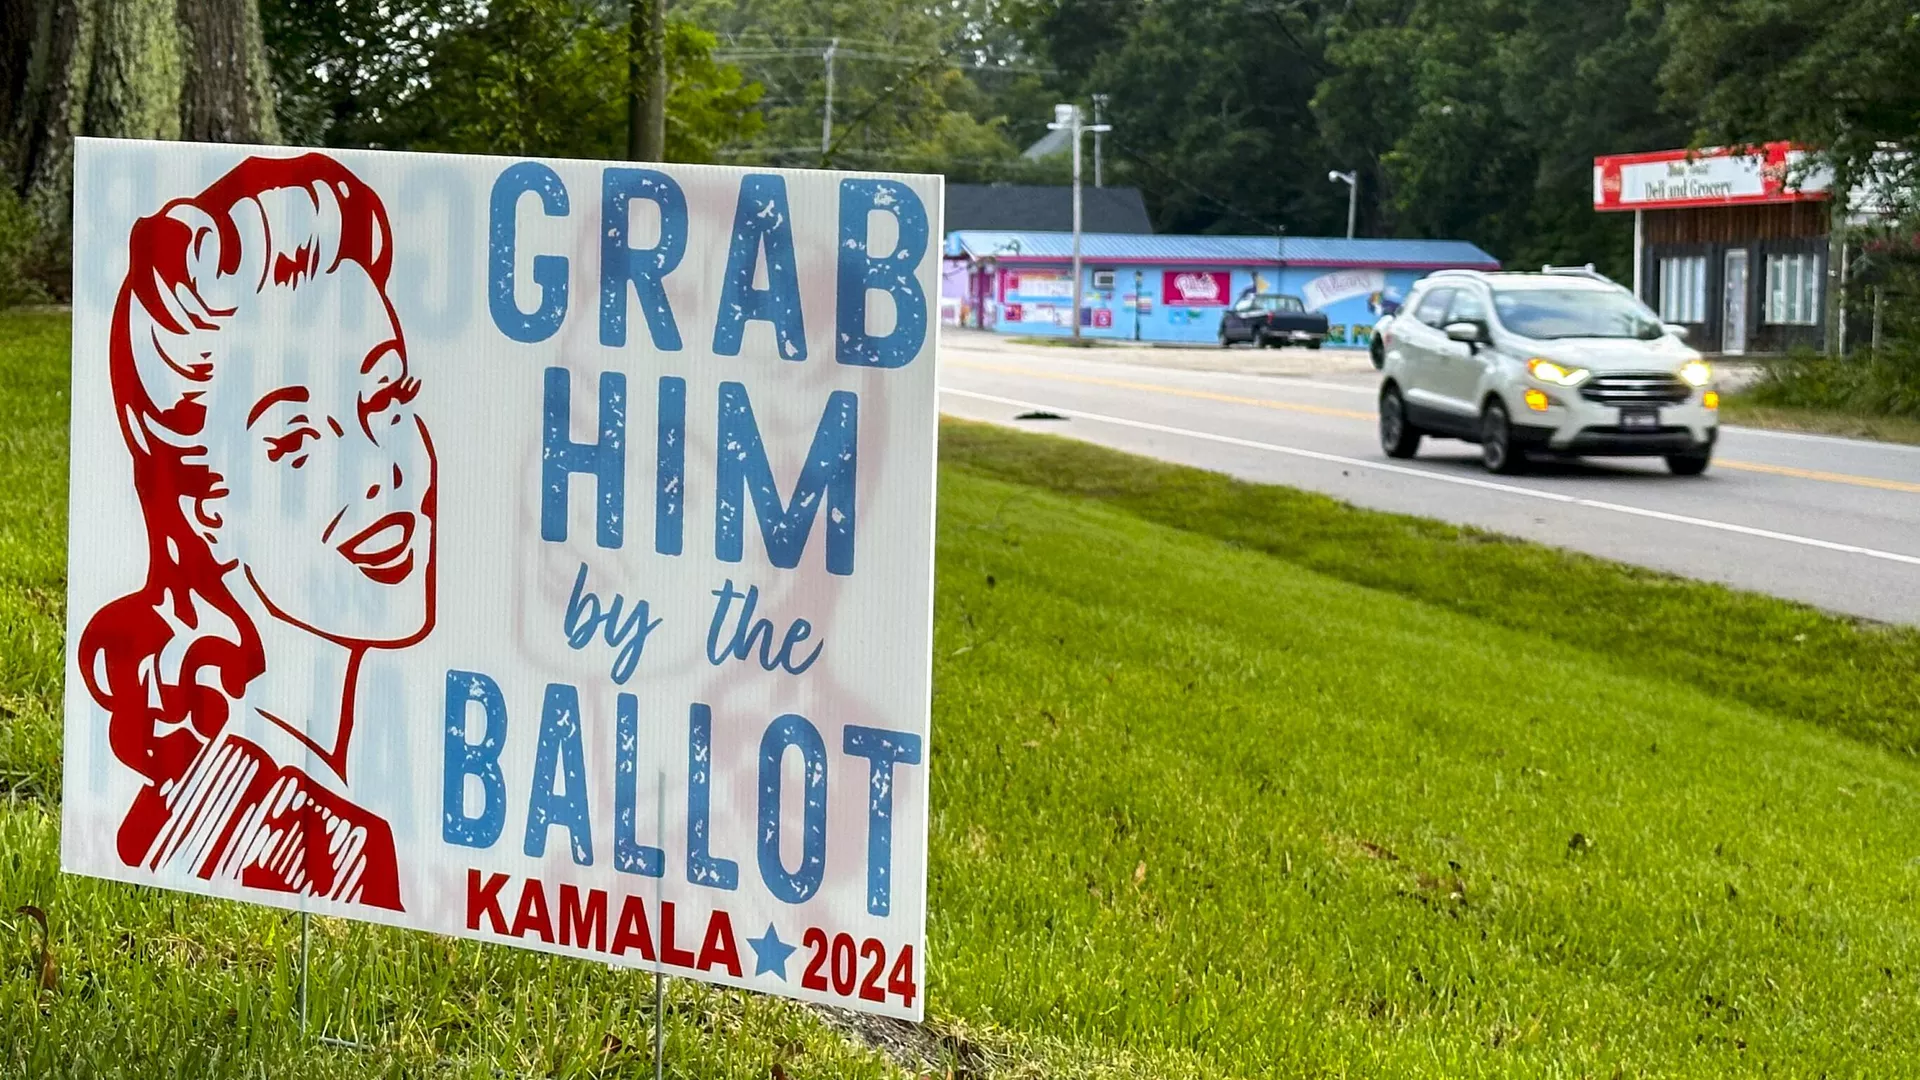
(1736, 409)
(1859, 679)
(1229, 781)
(1873, 394)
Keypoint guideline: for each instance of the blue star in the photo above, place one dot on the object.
(770, 954)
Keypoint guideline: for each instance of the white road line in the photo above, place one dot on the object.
(1858, 444)
(1463, 481)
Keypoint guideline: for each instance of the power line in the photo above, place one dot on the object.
(1235, 211)
(909, 59)
(814, 151)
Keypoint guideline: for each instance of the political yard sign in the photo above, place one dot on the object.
(537, 552)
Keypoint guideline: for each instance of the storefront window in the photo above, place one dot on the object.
(1683, 289)
(1793, 289)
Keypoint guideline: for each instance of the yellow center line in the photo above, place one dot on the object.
(1816, 474)
(1355, 414)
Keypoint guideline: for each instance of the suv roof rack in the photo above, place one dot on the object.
(1458, 272)
(1586, 271)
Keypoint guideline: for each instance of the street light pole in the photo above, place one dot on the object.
(1067, 118)
(1352, 180)
(1099, 109)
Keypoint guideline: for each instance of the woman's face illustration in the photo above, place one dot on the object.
(329, 474)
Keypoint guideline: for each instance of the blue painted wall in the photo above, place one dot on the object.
(1352, 300)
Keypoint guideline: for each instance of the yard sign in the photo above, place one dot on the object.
(538, 552)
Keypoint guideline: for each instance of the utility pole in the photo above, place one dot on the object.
(647, 80)
(1352, 180)
(1067, 118)
(826, 116)
(1279, 255)
(1099, 116)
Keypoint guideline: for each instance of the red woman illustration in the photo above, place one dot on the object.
(288, 494)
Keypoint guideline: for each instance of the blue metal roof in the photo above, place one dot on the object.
(1217, 250)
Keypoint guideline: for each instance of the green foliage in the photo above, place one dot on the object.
(1476, 119)
(549, 78)
(529, 77)
(1484, 118)
(710, 104)
(20, 252)
(1843, 77)
(1210, 112)
(341, 66)
(1883, 383)
(1840, 75)
(902, 99)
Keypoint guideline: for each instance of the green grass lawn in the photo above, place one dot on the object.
(1229, 781)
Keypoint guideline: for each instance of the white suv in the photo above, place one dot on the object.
(1563, 362)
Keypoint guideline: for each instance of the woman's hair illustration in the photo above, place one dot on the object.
(167, 660)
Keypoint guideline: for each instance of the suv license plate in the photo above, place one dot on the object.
(1640, 419)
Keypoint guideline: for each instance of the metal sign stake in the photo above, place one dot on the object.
(659, 1026)
(659, 977)
(301, 994)
(305, 927)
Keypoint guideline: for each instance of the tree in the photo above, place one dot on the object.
(532, 77)
(1839, 75)
(1485, 116)
(550, 77)
(340, 66)
(1476, 119)
(909, 81)
(646, 80)
(155, 69)
(1210, 111)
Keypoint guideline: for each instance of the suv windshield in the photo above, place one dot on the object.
(1571, 313)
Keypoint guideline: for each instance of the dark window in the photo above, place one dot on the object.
(1279, 303)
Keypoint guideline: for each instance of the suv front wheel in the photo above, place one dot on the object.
(1690, 464)
(1497, 451)
(1398, 437)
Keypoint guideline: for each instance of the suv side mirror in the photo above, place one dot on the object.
(1471, 333)
(1675, 329)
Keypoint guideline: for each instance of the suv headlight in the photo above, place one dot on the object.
(1549, 372)
(1696, 372)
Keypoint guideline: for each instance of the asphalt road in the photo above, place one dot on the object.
(1830, 522)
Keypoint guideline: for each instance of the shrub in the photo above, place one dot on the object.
(1884, 382)
(21, 252)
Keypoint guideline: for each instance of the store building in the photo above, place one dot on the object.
(1175, 288)
(1732, 244)
(1028, 208)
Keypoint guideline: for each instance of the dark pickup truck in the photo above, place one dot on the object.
(1272, 320)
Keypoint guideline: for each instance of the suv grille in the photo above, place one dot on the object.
(1636, 389)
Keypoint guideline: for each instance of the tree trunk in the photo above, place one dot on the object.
(228, 94)
(16, 50)
(136, 69)
(647, 80)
